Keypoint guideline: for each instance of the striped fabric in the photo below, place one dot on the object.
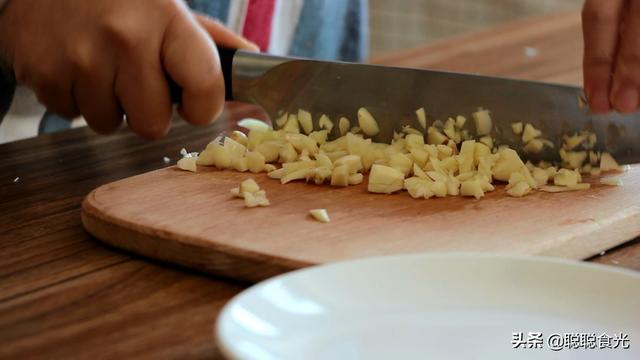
(321, 29)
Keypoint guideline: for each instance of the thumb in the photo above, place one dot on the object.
(223, 36)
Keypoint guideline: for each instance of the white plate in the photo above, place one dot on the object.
(442, 306)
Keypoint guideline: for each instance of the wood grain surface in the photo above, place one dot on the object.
(64, 295)
(192, 220)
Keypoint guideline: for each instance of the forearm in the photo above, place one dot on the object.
(7, 80)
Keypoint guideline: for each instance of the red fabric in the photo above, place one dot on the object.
(258, 22)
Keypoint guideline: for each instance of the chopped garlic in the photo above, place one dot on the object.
(611, 181)
(166, 160)
(367, 123)
(276, 174)
(517, 128)
(534, 146)
(188, 164)
(608, 163)
(410, 131)
(435, 137)
(566, 177)
(240, 164)
(282, 120)
(270, 150)
(343, 125)
(249, 185)
(325, 123)
(508, 162)
(216, 155)
(305, 120)
(422, 117)
(340, 175)
(483, 122)
(557, 189)
(239, 137)
(292, 125)
(252, 194)
(234, 148)
(529, 133)
(385, 180)
(571, 142)
(320, 214)
(487, 140)
(258, 198)
(255, 161)
(355, 179)
(471, 188)
(519, 189)
(573, 159)
(445, 162)
(352, 162)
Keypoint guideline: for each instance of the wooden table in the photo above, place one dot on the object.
(63, 294)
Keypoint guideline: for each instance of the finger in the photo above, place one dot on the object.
(52, 85)
(142, 91)
(625, 92)
(57, 98)
(223, 36)
(600, 22)
(96, 100)
(191, 60)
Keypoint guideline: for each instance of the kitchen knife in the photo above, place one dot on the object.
(392, 95)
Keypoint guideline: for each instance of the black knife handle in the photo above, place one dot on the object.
(226, 63)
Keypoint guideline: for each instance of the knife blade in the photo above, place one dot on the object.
(393, 94)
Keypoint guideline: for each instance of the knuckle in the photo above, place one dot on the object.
(128, 30)
(628, 64)
(81, 60)
(628, 68)
(124, 33)
(169, 8)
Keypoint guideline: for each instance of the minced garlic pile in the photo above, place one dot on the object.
(443, 159)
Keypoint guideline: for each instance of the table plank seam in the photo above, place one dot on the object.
(74, 277)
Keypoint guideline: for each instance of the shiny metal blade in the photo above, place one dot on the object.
(392, 95)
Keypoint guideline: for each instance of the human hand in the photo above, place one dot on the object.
(611, 31)
(106, 58)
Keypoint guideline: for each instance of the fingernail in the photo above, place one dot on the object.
(599, 100)
(625, 100)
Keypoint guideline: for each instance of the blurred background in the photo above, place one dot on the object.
(401, 24)
(394, 26)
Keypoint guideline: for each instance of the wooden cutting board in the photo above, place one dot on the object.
(191, 219)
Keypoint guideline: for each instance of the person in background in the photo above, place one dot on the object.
(105, 58)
